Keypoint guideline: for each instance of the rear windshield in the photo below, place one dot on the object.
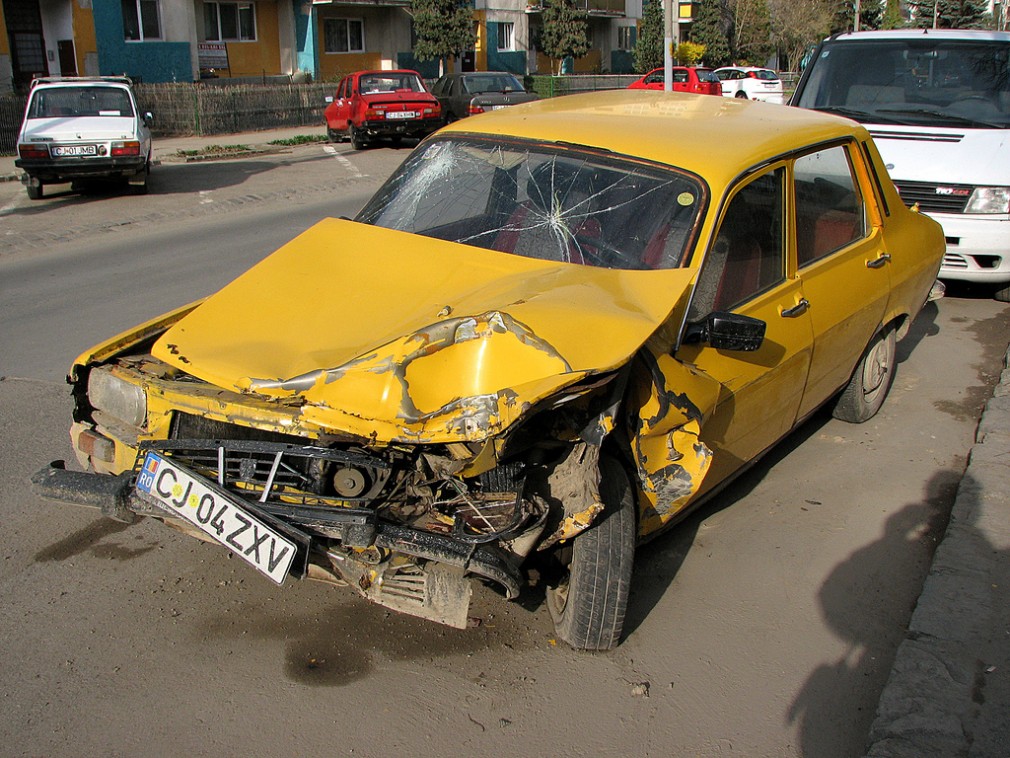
(539, 201)
(480, 83)
(373, 83)
(765, 74)
(915, 82)
(80, 101)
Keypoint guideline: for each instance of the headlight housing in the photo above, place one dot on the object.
(989, 200)
(117, 397)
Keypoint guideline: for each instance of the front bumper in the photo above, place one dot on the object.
(978, 247)
(116, 498)
(67, 169)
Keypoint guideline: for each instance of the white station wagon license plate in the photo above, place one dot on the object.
(61, 151)
(401, 114)
(212, 511)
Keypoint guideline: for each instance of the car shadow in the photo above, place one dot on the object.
(658, 561)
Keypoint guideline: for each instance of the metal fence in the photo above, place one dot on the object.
(571, 84)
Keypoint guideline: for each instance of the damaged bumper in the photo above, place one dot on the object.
(410, 570)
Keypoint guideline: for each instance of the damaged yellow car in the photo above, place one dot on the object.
(551, 333)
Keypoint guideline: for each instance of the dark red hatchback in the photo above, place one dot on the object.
(371, 105)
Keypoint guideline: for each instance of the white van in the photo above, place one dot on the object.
(937, 103)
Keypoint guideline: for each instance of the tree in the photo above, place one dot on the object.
(651, 35)
(950, 14)
(689, 53)
(798, 24)
(752, 32)
(892, 15)
(444, 29)
(870, 15)
(710, 29)
(565, 31)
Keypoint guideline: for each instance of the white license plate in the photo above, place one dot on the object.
(401, 114)
(498, 107)
(212, 511)
(68, 150)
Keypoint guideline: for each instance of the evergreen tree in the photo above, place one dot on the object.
(870, 15)
(651, 35)
(565, 32)
(950, 14)
(892, 15)
(444, 29)
(710, 29)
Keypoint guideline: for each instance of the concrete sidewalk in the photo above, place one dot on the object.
(167, 149)
(949, 689)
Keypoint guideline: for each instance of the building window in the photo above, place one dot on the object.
(626, 37)
(343, 35)
(229, 22)
(141, 20)
(506, 30)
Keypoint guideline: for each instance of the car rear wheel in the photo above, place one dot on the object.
(34, 192)
(870, 382)
(141, 188)
(333, 135)
(589, 602)
(358, 141)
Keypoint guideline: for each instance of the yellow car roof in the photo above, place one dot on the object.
(715, 137)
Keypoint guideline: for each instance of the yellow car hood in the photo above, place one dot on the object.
(394, 336)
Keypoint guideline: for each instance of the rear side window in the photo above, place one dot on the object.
(829, 209)
(706, 75)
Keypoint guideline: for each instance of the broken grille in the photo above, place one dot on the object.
(273, 472)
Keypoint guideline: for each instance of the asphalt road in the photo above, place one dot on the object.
(764, 626)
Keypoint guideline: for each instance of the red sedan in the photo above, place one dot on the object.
(370, 105)
(702, 81)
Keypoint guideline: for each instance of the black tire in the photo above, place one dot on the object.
(358, 141)
(34, 193)
(870, 382)
(1002, 294)
(333, 135)
(141, 189)
(590, 601)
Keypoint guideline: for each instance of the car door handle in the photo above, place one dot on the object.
(797, 310)
(879, 261)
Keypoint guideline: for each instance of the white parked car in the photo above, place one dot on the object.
(750, 83)
(78, 129)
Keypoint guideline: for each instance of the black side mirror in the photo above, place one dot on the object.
(727, 331)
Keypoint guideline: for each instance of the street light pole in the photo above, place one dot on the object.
(671, 12)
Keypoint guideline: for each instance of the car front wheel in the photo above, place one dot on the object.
(1002, 294)
(870, 382)
(589, 602)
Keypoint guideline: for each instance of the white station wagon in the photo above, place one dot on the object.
(82, 129)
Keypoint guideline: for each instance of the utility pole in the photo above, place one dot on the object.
(671, 14)
(855, 21)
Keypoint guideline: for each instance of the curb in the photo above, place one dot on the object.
(946, 694)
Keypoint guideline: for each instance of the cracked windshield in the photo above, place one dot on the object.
(557, 205)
